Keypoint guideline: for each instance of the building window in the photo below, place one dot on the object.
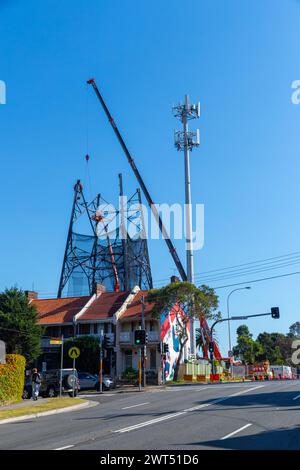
(128, 358)
(84, 329)
(95, 328)
(52, 331)
(152, 359)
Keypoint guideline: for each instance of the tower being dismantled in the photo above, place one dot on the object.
(105, 245)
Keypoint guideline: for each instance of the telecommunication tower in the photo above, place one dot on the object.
(185, 141)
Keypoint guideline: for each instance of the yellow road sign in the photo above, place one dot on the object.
(55, 341)
(74, 352)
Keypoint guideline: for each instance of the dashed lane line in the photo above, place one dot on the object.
(65, 447)
(133, 406)
(235, 432)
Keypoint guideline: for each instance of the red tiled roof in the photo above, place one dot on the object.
(134, 310)
(52, 311)
(105, 306)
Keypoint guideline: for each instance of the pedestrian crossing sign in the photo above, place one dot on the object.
(74, 352)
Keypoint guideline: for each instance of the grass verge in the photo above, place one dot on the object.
(50, 404)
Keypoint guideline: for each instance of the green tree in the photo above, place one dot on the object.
(246, 349)
(272, 344)
(187, 301)
(89, 358)
(295, 329)
(18, 325)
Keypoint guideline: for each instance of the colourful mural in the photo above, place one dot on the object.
(168, 335)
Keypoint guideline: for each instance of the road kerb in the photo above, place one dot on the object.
(48, 413)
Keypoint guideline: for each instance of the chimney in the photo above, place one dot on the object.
(174, 279)
(99, 289)
(31, 295)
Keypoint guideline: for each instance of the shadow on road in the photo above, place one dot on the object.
(279, 439)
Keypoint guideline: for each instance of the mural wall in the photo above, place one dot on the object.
(169, 335)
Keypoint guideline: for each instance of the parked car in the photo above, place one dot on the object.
(50, 384)
(87, 381)
(91, 381)
(107, 382)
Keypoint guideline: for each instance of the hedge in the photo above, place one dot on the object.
(12, 379)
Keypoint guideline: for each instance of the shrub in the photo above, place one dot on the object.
(130, 374)
(12, 378)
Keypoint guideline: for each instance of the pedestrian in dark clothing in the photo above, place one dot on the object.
(35, 383)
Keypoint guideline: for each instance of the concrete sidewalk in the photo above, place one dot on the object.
(23, 404)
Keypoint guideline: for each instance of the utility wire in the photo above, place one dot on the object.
(212, 271)
(258, 280)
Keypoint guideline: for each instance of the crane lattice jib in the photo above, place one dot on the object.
(131, 162)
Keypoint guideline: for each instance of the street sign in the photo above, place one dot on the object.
(55, 341)
(2, 352)
(74, 352)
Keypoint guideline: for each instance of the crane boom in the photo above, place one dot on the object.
(205, 331)
(152, 206)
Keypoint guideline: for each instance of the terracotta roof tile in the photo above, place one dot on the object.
(134, 310)
(52, 311)
(105, 306)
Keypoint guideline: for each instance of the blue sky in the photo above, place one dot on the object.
(238, 58)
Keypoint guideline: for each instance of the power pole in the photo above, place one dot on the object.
(185, 141)
(143, 347)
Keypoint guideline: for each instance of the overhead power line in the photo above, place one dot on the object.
(257, 280)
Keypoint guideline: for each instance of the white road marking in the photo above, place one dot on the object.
(180, 413)
(235, 432)
(248, 390)
(133, 406)
(296, 398)
(65, 447)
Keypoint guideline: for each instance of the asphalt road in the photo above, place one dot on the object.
(257, 415)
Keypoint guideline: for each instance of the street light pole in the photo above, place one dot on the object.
(228, 314)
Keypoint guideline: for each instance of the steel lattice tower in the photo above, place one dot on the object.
(88, 256)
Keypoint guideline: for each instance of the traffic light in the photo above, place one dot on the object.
(107, 342)
(211, 347)
(146, 337)
(275, 312)
(140, 337)
(166, 347)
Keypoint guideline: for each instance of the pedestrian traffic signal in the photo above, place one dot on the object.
(275, 312)
(166, 347)
(146, 337)
(211, 347)
(140, 337)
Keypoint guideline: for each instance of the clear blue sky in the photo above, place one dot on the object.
(237, 58)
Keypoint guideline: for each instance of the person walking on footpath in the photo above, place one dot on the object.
(35, 383)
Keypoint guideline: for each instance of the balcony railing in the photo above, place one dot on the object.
(126, 337)
(153, 336)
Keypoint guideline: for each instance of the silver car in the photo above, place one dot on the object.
(91, 382)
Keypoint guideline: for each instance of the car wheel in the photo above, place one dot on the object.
(51, 392)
